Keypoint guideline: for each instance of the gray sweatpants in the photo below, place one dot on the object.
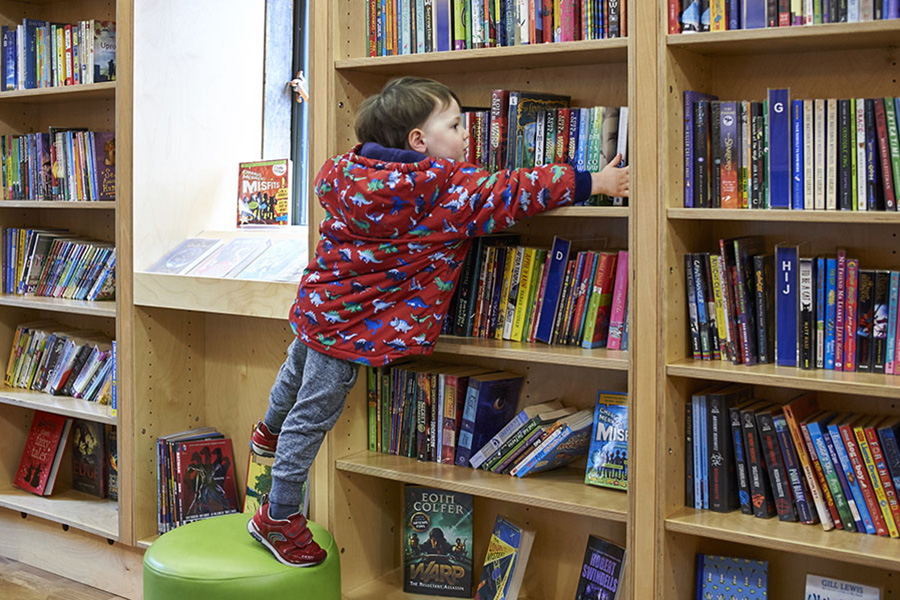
(305, 403)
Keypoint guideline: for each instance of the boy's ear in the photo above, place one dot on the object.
(416, 140)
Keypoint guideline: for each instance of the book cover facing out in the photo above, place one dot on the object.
(726, 577)
(437, 542)
(819, 587)
(264, 193)
(607, 464)
(601, 571)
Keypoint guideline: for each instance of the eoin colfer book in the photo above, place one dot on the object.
(264, 193)
(607, 464)
(504, 562)
(601, 571)
(437, 542)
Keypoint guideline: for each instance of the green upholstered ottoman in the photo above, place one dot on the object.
(216, 559)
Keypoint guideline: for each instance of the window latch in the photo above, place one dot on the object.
(300, 86)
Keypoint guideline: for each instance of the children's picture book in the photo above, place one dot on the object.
(607, 464)
(205, 478)
(284, 260)
(259, 484)
(819, 587)
(104, 143)
(185, 256)
(437, 542)
(726, 577)
(601, 571)
(89, 458)
(230, 259)
(104, 55)
(504, 562)
(264, 193)
(43, 452)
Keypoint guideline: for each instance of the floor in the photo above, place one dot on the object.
(23, 582)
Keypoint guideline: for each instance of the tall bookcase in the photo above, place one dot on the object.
(827, 61)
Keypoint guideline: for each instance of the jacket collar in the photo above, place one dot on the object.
(379, 152)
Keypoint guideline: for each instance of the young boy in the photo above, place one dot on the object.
(401, 209)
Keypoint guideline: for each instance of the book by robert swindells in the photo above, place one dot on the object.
(437, 542)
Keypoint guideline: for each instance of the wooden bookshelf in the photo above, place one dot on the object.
(67, 507)
(66, 93)
(60, 405)
(785, 216)
(59, 205)
(98, 308)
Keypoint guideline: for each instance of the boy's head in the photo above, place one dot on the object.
(414, 113)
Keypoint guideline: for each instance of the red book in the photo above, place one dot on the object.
(562, 135)
(884, 473)
(373, 43)
(820, 475)
(795, 412)
(850, 293)
(567, 23)
(862, 476)
(43, 451)
(840, 309)
(547, 22)
(205, 479)
(674, 23)
(603, 288)
(584, 291)
(67, 36)
(499, 128)
(884, 156)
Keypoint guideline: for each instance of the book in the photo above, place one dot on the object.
(205, 479)
(185, 256)
(437, 542)
(569, 441)
(607, 464)
(264, 193)
(601, 570)
(722, 469)
(259, 484)
(112, 463)
(89, 458)
(727, 577)
(43, 452)
(104, 51)
(510, 429)
(787, 304)
(819, 587)
(104, 165)
(556, 268)
(491, 401)
(504, 562)
(284, 260)
(524, 441)
(230, 259)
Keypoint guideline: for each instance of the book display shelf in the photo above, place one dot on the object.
(822, 61)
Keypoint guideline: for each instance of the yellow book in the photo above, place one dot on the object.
(874, 479)
(504, 291)
(522, 299)
(721, 323)
(20, 257)
(717, 21)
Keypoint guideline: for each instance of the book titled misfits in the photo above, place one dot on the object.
(264, 193)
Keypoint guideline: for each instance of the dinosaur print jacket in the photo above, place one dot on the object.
(397, 228)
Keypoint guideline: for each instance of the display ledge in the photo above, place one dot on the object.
(810, 540)
(59, 204)
(75, 509)
(560, 489)
(599, 358)
(611, 212)
(107, 89)
(98, 308)
(560, 54)
(790, 216)
(267, 299)
(774, 40)
(868, 384)
(60, 405)
(390, 587)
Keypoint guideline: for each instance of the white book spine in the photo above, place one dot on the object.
(477, 12)
(809, 143)
(862, 197)
(522, 31)
(853, 11)
(540, 134)
(511, 303)
(808, 12)
(621, 147)
(820, 153)
(866, 10)
(831, 158)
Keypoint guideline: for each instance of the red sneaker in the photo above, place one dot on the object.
(263, 441)
(290, 540)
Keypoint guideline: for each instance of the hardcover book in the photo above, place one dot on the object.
(264, 193)
(205, 478)
(601, 571)
(607, 464)
(89, 458)
(504, 562)
(819, 587)
(726, 577)
(491, 401)
(43, 452)
(437, 542)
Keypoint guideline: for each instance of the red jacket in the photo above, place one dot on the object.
(392, 241)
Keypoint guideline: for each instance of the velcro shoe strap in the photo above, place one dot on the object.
(296, 528)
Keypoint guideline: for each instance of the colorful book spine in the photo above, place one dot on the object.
(893, 301)
(786, 305)
(844, 465)
(797, 162)
(851, 294)
(840, 309)
(620, 298)
(779, 149)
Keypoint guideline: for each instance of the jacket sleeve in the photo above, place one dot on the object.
(482, 203)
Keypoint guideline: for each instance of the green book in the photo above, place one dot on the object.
(893, 144)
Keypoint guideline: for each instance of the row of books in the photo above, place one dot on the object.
(822, 154)
(690, 16)
(544, 133)
(195, 477)
(467, 416)
(792, 460)
(240, 258)
(519, 293)
(94, 452)
(52, 358)
(397, 27)
(54, 264)
(752, 307)
(438, 537)
(40, 54)
(64, 164)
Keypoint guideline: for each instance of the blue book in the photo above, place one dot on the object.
(827, 457)
(607, 464)
(559, 255)
(510, 429)
(787, 304)
(490, 404)
(30, 48)
(888, 432)
(820, 312)
(891, 9)
(601, 570)
(855, 500)
(754, 16)
(584, 130)
(569, 442)
(779, 149)
(805, 512)
(726, 577)
(893, 300)
(797, 154)
(697, 271)
(420, 27)
(443, 25)
(830, 311)
(854, 517)
(704, 453)
(734, 14)
(698, 458)
(505, 560)
(690, 98)
(9, 58)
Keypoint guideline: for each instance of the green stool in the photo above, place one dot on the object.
(217, 559)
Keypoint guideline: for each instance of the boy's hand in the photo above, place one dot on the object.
(612, 180)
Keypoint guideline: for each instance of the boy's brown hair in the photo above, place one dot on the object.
(402, 105)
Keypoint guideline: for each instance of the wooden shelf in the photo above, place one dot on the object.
(90, 91)
(789, 216)
(562, 54)
(75, 509)
(600, 358)
(390, 587)
(59, 204)
(831, 36)
(101, 308)
(610, 212)
(868, 384)
(60, 405)
(562, 489)
(810, 540)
